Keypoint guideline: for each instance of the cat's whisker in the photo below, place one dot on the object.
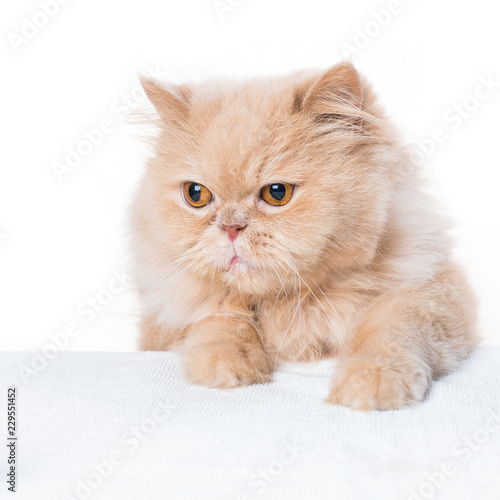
(277, 348)
(296, 310)
(211, 283)
(321, 304)
(172, 273)
(344, 326)
(282, 284)
(152, 296)
(179, 263)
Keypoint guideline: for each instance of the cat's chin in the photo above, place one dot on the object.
(242, 276)
(239, 270)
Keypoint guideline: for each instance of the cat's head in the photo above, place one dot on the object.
(258, 183)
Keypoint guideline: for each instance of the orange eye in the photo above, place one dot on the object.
(196, 195)
(278, 194)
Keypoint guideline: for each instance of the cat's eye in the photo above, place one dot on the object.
(277, 194)
(196, 195)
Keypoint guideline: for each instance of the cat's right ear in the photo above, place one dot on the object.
(337, 98)
(170, 101)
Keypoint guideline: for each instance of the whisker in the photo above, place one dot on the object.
(335, 311)
(321, 304)
(295, 311)
(172, 274)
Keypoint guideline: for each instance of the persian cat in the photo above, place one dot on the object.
(281, 220)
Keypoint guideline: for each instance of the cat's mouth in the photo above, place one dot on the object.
(238, 266)
(235, 260)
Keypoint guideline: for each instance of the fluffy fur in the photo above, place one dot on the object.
(357, 265)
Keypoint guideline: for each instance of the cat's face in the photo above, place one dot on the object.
(268, 184)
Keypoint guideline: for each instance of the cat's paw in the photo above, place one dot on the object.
(376, 382)
(227, 364)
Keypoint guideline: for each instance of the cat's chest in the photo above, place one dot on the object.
(313, 327)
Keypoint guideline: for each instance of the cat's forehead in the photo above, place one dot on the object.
(238, 164)
(246, 143)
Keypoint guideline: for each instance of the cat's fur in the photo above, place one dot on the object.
(356, 265)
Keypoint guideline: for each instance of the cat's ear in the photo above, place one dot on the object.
(170, 101)
(334, 97)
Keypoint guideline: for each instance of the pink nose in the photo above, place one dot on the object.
(233, 230)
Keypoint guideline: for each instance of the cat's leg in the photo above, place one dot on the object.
(155, 337)
(223, 351)
(406, 339)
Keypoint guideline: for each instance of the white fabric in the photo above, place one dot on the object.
(275, 441)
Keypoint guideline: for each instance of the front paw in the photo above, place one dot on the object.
(377, 382)
(227, 364)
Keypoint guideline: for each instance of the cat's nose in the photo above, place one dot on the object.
(233, 230)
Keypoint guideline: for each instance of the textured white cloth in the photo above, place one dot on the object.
(77, 418)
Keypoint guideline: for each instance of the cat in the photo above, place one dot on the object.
(281, 219)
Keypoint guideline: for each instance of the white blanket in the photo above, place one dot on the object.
(127, 426)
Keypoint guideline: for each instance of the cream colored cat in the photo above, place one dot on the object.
(281, 220)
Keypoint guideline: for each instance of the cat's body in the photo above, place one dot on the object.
(348, 256)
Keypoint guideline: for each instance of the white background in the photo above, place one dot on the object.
(62, 240)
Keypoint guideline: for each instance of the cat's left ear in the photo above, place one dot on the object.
(336, 96)
(170, 101)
